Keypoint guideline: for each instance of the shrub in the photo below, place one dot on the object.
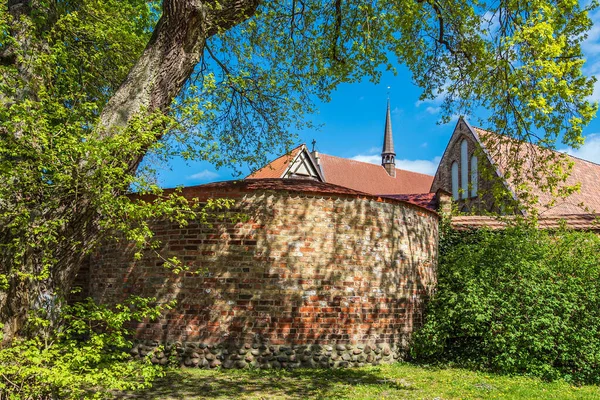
(521, 300)
(87, 358)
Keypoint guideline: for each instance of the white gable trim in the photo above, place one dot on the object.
(303, 165)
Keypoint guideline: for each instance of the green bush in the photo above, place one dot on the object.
(521, 300)
(87, 358)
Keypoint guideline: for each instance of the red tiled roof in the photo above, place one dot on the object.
(502, 151)
(357, 175)
(229, 189)
(290, 185)
(372, 178)
(277, 167)
(427, 200)
(573, 221)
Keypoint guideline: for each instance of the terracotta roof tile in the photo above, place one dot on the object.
(573, 221)
(584, 172)
(427, 200)
(277, 167)
(372, 178)
(290, 185)
(357, 175)
(301, 186)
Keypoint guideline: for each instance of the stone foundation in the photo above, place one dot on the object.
(202, 355)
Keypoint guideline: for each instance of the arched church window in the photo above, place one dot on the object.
(464, 169)
(455, 180)
(474, 178)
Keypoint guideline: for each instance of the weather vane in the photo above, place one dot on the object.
(388, 92)
(314, 142)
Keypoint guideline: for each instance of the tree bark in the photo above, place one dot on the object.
(170, 57)
(174, 50)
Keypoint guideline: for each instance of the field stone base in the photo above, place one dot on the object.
(240, 356)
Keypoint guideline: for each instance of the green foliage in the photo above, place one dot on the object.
(521, 300)
(64, 183)
(85, 358)
(63, 186)
(53, 167)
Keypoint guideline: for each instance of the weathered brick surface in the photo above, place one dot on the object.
(303, 269)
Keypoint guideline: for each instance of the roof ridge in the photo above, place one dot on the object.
(578, 158)
(351, 159)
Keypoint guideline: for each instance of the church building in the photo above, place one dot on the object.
(475, 159)
(473, 162)
(381, 180)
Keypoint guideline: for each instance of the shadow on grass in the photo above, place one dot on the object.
(291, 384)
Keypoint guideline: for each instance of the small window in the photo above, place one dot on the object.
(464, 169)
(474, 177)
(455, 180)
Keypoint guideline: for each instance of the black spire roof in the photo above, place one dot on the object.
(388, 140)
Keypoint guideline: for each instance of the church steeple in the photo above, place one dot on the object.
(388, 156)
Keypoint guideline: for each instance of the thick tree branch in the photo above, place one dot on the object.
(337, 29)
(169, 59)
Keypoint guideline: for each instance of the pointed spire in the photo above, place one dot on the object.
(388, 155)
(388, 140)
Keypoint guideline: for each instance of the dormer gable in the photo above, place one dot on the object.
(299, 163)
(304, 166)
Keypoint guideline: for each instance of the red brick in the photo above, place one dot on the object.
(252, 281)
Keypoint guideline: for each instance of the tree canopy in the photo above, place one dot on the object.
(88, 88)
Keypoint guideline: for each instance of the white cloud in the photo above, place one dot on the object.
(433, 110)
(591, 44)
(423, 166)
(437, 100)
(591, 48)
(596, 95)
(371, 159)
(203, 176)
(589, 151)
(491, 22)
(397, 111)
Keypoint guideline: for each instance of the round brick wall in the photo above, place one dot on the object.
(317, 275)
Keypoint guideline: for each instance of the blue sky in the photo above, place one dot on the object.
(353, 123)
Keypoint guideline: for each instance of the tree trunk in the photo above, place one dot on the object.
(174, 50)
(158, 76)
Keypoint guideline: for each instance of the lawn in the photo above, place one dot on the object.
(398, 381)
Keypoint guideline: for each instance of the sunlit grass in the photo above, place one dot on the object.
(398, 381)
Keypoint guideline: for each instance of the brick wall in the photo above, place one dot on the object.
(331, 270)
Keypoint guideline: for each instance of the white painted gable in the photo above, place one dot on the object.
(303, 166)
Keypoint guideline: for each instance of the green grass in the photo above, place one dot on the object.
(398, 381)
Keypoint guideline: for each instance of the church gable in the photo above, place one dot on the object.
(298, 163)
(467, 172)
(451, 172)
(303, 166)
